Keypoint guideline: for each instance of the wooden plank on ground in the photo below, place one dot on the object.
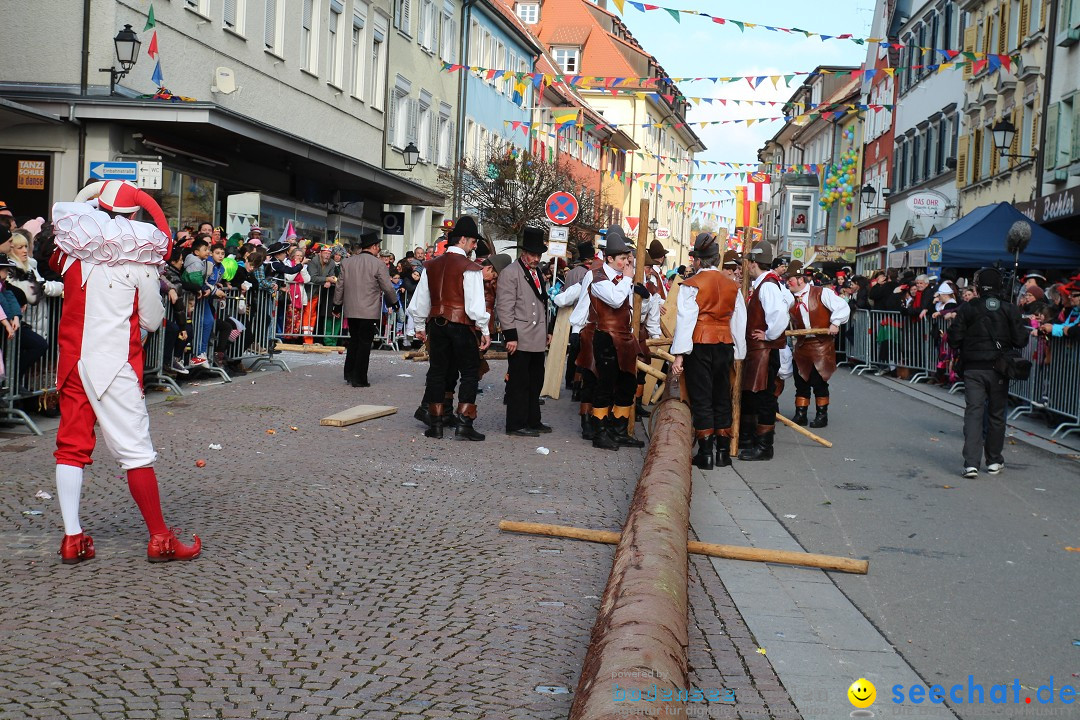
(360, 413)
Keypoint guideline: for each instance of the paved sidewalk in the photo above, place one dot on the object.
(347, 572)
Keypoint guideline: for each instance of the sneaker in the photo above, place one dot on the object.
(995, 468)
(178, 367)
(197, 360)
(971, 472)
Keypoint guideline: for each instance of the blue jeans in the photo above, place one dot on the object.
(204, 322)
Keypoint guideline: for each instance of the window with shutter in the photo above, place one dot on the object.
(432, 140)
(976, 156)
(1018, 123)
(391, 121)
(961, 162)
(969, 46)
(1036, 118)
(1050, 151)
(1074, 154)
(406, 16)
(411, 134)
(1003, 29)
(270, 25)
(229, 14)
(1025, 20)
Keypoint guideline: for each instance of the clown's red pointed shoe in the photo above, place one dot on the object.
(164, 547)
(76, 548)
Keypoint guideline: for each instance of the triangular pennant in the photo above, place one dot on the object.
(152, 49)
(674, 13)
(150, 21)
(158, 77)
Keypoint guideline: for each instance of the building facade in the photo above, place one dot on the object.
(927, 120)
(1011, 94)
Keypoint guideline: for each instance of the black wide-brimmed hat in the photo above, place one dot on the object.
(705, 246)
(483, 249)
(369, 238)
(278, 247)
(532, 241)
(6, 262)
(615, 242)
(657, 252)
(585, 251)
(464, 227)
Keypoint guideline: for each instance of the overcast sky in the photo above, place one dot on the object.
(699, 47)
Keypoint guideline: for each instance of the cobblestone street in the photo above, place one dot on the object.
(346, 572)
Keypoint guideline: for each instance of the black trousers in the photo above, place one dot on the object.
(358, 354)
(986, 395)
(452, 345)
(523, 389)
(588, 386)
(764, 403)
(708, 383)
(613, 386)
(571, 357)
(816, 383)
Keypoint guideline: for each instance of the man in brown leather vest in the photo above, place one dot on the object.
(651, 311)
(576, 295)
(710, 334)
(815, 355)
(450, 299)
(611, 343)
(766, 320)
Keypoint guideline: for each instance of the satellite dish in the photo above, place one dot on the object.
(224, 81)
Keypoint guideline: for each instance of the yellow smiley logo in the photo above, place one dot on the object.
(862, 693)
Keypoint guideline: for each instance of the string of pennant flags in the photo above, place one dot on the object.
(743, 25)
(611, 83)
(570, 118)
(726, 102)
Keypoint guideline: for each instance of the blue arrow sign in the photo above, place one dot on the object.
(114, 171)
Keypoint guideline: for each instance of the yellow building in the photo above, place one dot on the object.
(1010, 94)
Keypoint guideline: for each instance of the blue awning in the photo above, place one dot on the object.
(978, 239)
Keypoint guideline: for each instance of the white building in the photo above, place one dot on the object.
(284, 107)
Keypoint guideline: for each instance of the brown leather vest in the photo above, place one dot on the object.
(820, 315)
(490, 289)
(716, 298)
(446, 284)
(606, 318)
(755, 320)
(655, 283)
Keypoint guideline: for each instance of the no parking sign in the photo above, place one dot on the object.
(561, 208)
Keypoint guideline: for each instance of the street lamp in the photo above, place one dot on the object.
(868, 194)
(411, 153)
(1004, 132)
(127, 46)
(653, 224)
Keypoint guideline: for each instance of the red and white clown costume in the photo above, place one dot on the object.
(111, 296)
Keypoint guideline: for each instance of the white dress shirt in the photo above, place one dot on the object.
(475, 306)
(838, 307)
(776, 301)
(683, 342)
(609, 293)
(570, 296)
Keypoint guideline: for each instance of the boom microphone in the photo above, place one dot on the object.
(1018, 238)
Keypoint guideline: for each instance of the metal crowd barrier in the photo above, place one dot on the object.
(154, 362)
(1054, 383)
(30, 359)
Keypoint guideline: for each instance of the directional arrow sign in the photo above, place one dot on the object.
(114, 170)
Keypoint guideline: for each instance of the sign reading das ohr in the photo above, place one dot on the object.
(561, 208)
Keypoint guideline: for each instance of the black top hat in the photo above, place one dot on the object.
(278, 247)
(705, 246)
(532, 241)
(369, 238)
(585, 251)
(615, 242)
(464, 227)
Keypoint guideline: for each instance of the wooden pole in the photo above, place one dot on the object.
(639, 276)
(736, 387)
(806, 331)
(731, 552)
(658, 342)
(803, 431)
(650, 370)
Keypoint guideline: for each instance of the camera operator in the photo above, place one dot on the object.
(986, 331)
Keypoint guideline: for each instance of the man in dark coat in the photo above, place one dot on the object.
(363, 283)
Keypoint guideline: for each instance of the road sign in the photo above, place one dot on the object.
(558, 234)
(393, 223)
(663, 233)
(561, 208)
(149, 175)
(798, 250)
(101, 170)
